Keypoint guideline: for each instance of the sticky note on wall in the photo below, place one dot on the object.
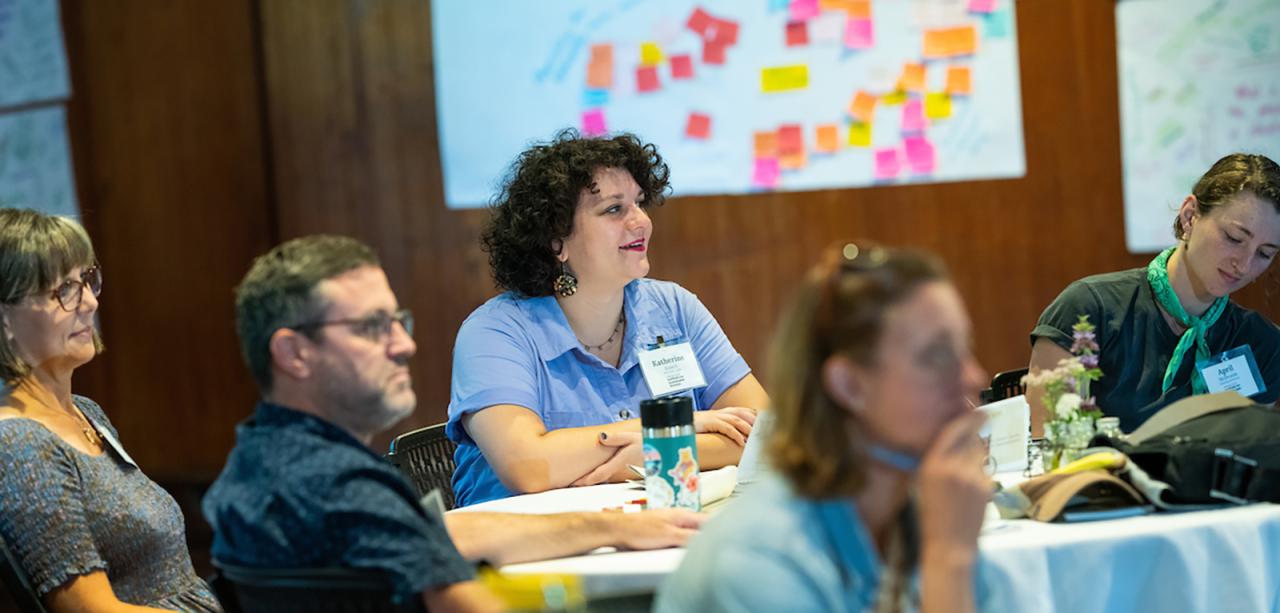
(797, 34)
(912, 79)
(766, 173)
(790, 139)
(859, 33)
(600, 67)
(647, 79)
(950, 42)
(959, 81)
(593, 123)
(863, 107)
(681, 66)
(982, 6)
(698, 126)
(827, 138)
(859, 134)
(650, 54)
(937, 105)
(784, 78)
(802, 10)
(766, 144)
(913, 116)
(887, 164)
(921, 155)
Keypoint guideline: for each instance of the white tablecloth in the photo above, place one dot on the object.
(1213, 561)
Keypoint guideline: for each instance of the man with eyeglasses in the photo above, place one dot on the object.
(328, 344)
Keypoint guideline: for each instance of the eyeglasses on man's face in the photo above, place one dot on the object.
(375, 327)
(70, 293)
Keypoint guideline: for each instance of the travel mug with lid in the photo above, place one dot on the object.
(670, 453)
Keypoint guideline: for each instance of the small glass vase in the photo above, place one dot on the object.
(1071, 439)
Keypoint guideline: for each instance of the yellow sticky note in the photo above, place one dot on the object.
(650, 54)
(854, 9)
(784, 78)
(893, 98)
(912, 79)
(859, 134)
(937, 105)
(828, 138)
(959, 81)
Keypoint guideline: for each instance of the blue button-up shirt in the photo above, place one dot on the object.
(521, 351)
(300, 492)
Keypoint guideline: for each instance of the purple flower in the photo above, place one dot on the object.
(1089, 360)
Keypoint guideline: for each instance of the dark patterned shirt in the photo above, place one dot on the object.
(65, 513)
(300, 492)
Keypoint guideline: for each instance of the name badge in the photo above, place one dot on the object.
(1234, 370)
(671, 368)
(111, 440)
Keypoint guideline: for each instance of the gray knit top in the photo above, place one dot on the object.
(64, 513)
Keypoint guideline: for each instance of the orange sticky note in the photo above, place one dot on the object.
(937, 105)
(863, 107)
(959, 81)
(793, 161)
(602, 52)
(600, 75)
(828, 138)
(950, 42)
(852, 8)
(650, 54)
(859, 134)
(784, 78)
(766, 144)
(912, 79)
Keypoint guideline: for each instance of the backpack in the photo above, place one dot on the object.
(1210, 449)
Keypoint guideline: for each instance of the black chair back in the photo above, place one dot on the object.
(17, 583)
(1006, 384)
(425, 456)
(309, 590)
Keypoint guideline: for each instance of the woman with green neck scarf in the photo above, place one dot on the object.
(1170, 330)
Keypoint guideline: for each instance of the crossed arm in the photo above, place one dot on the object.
(528, 458)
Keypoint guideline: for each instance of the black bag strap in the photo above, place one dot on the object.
(1240, 479)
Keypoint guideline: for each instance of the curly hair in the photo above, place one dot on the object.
(539, 197)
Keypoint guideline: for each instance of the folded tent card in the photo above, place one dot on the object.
(1009, 426)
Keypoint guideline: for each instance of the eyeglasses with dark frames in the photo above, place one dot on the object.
(376, 327)
(70, 293)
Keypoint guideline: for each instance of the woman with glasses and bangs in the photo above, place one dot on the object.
(88, 528)
(876, 462)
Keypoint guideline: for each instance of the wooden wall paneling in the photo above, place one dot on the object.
(167, 134)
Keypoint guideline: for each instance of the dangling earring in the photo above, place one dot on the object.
(566, 284)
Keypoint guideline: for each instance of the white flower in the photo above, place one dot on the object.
(1067, 406)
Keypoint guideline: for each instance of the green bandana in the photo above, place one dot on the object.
(1158, 277)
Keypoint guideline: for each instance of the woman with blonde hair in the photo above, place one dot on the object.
(89, 529)
(876, 459)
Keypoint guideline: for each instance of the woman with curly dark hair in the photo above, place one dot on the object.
(548, 376)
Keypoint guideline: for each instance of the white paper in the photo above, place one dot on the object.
(1009, 422)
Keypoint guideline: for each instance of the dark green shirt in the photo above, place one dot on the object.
(1136, 343)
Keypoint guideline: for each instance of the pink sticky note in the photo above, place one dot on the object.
(766, 173)
(725, 32)
(647, 79)
(803, 10)
(887, 164)
(699, 21)
(913, 116)
(681, 66)
(593, 122)
(982, 6)
(921, 155)
(858, 34)
(698, 126)
(797, 34)
(712, 53)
